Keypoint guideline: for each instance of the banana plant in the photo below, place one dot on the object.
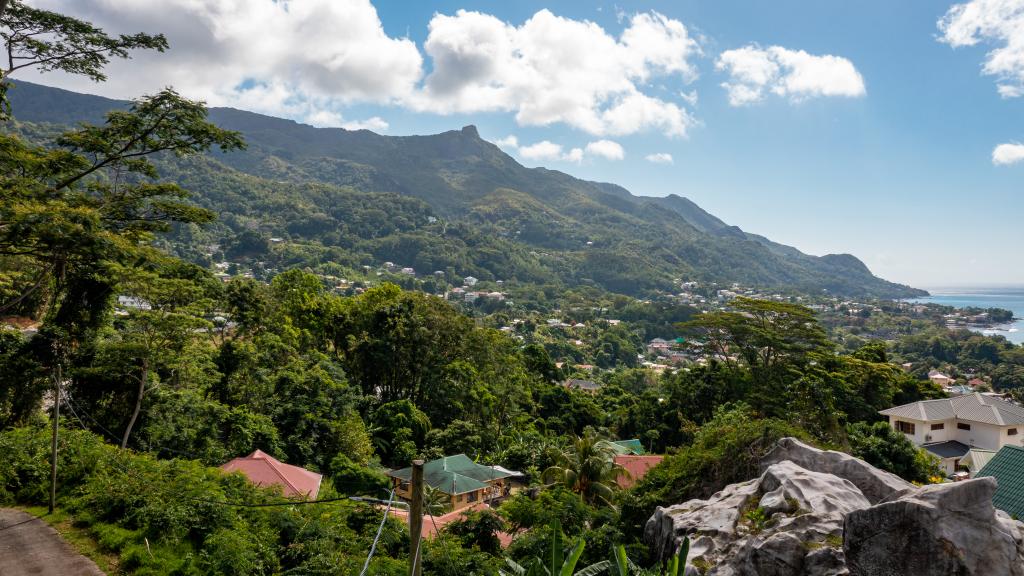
(557, 563)
(625, 567)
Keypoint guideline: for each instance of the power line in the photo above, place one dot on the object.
(380, 529)
(444, 545)
(373, 547)
(16, 524)
(416, 556)
(126, 472)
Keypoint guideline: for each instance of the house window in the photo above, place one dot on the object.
(472, 496)
(938, 426)
(1011, 432)
(905, 427)
(962, 426)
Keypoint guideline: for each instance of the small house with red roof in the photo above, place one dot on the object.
(637, 466)
(630, 455)
(263, 469)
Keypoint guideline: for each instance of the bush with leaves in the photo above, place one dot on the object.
(727, 449)
(879, 444)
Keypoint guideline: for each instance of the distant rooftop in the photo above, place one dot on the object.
(977, 458)
(581, 384)
(264, 470)
(636, 466)
(631, 446)
(948, 449)
(974, 407)
(456, 474)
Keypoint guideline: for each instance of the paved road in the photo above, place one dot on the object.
(29, 547)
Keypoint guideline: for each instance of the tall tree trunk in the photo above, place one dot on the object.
(138, 403)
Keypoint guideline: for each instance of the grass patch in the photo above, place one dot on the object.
(831, 541)
(758, 520)
(79, 537)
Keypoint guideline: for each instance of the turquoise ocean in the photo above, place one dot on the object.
(1006, 297)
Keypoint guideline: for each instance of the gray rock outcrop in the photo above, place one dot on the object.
(876, 485)
(937, 530)
(825, 513)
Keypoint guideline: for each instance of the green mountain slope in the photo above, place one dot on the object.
(453, 201)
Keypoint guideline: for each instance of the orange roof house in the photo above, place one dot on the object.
(637, 465)
(264, 470)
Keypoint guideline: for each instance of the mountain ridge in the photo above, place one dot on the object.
(454, 171)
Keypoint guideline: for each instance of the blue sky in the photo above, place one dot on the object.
(885, 150)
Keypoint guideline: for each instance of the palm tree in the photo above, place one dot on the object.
(435, 502)
(588, 468)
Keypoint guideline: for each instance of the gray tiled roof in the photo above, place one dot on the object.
(973, 407)
(948, 449)
(582, 384)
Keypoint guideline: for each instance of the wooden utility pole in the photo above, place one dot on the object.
(416, 519)
(58, 376)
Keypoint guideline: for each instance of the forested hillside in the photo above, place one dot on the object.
(454, 200)
(129, 371)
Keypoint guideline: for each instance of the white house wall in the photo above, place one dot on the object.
(1015, 440)
(920, 429)
(947, 432)
(980, 435)
(985, 436)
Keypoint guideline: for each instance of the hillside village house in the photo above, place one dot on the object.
(583, 385)
(940, 378)
(950, 427)
(263, 469)
(630, 455)
(465, 482)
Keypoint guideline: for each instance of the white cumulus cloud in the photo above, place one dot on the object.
(574, 155)
(659, 158)
(607, 149)
(543, 150)
(794, 74)
(509, 141)
(552, 69)
(310, 59)
(287, 58)
(374, 123)
(1005, 154)
(549, 151)
(332, 119)
(997, 22)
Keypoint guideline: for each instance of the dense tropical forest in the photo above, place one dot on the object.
(163, 371)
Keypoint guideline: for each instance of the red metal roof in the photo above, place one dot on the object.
(637, 466)
(264, 470)
(433, 524)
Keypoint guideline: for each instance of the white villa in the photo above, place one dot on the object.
(951, 427)
(940, 378)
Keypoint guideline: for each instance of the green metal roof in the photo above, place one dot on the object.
(1007, 467)
(632, 446)
(454, 474)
